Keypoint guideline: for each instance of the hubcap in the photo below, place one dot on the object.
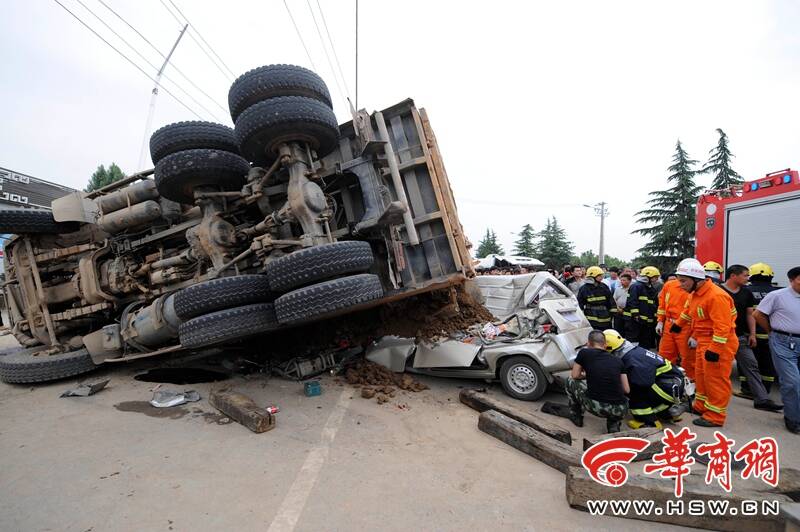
(522, 379)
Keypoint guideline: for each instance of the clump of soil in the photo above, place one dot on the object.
(380, 382)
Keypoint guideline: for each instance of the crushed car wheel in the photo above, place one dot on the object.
(272, 81)
(228, 325)
(317, 263)
(262, 127)
(317, 300)
(178, 174)
(522, 378)
(191, 135)
(26, 221)
(218, 294)
(30, 365)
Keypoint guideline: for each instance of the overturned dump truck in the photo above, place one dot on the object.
(286, 219)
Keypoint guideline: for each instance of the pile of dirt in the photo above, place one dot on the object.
(380, 382)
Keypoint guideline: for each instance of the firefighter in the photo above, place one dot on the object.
(674, 346)
(655, 385)
(714, 271)
(595, 299)
(640, 309)
(711, 315)
(761, 284)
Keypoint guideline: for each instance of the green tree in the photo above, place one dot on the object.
(719, 164)
(671, 215)
(102, 176)
(526, 245)
(489, 245)
(589, 258)
(553, 247)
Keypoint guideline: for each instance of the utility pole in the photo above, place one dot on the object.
(601, 211)
(151, 112)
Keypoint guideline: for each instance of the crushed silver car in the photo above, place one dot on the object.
(538, 333)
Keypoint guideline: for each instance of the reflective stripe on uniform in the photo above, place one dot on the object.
(762, 336)
(717, 409)
(700, 397)
(626, 313)
(664, 395)
(665, 368)
(767, 378)
(660, 408)
(719, 339)
(686, 316)
(642, 411)
(595, 318)
(700, 313)
(661, 312)
(634, 311)
(596, 298)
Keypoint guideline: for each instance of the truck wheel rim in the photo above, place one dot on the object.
(522, 379)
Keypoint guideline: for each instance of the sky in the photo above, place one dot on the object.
(539, 107)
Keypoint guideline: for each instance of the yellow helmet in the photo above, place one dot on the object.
(760, 268)
(614, 340)
(712, 266)
(594, 271)
(650, 271)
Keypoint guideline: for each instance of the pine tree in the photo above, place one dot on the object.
(553, 248)
(671, 215)
(719, 164)
(102, 177)
(526, 245)
(489, 245)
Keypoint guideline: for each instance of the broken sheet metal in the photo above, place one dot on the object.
(391, 352)
(168, 398)
(85, 389)
(447, 354)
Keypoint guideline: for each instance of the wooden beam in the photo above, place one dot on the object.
(581, 488)
(482, 402)
(528, 440)
(242, 409)
(645, 433)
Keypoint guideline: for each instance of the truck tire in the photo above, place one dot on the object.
(310, 265)
(228, 325)
(218, 294)
(27, 366)
(178, 174)
(263, 126)
(318, 300)
(191, 135)
(26, 221)
(273, 81)
(522, 378)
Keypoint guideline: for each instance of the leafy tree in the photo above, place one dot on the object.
(553, 248)
(489, 245)
(671, 215)
(526, 245)
(719, 164)
(590, 258)
(102, 176)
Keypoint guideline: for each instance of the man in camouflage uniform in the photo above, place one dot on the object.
(597, 384)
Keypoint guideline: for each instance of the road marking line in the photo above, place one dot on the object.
(292, 506)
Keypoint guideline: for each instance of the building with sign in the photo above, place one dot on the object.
(18, 190)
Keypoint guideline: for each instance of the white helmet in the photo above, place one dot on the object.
(691, 268)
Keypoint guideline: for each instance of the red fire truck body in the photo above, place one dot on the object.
(759, 222)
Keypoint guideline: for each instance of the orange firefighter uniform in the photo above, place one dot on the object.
(711, 315)
(674, 346)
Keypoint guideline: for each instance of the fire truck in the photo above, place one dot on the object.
(758, 221)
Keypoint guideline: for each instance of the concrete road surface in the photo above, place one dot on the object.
(334, 462)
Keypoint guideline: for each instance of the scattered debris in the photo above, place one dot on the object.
(168, 398)
(244, 410)
(378, 380)
(312, 388)
(85, 389)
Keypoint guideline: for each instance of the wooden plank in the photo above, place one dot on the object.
(528, 440)
(645, 433)
(242, 409)
(581, 488)
(789, 483)
(482, 402)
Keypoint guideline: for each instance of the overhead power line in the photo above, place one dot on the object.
(335, 55)
(128, 59)
(159, 52)
(299, 35)
(154, 67)
(194, 28)
(191, 36)
(327, 55)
